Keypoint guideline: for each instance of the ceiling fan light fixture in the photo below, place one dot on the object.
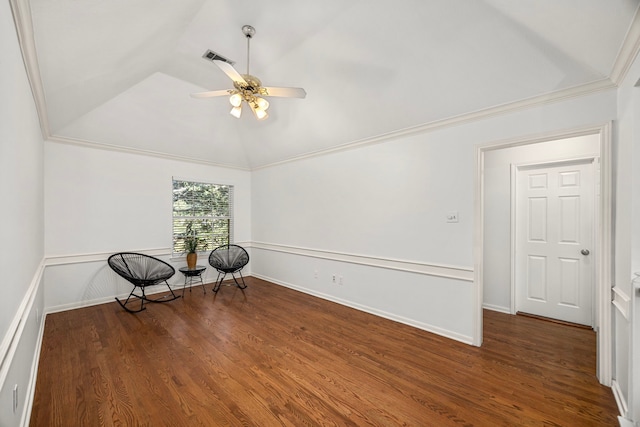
(262, 103)
(260, 114)
(235, 99)
(236, 111)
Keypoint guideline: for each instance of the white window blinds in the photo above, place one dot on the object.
(203, 212)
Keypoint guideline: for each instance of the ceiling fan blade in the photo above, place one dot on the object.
(211, 93)
(230, 71)
(285, 92)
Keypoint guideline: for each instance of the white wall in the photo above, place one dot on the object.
(634, 356)
(98, 202)
(627, 245)
(497, 207)
(21, 215)
(383, 208)
(21, 223)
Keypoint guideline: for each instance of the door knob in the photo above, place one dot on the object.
(585, 252)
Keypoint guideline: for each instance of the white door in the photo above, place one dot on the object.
(554, 241)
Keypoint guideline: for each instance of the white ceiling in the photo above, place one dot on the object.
(119, 72)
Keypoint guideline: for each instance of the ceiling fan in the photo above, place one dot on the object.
(247, 88)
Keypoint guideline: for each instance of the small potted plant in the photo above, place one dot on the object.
(191, 243)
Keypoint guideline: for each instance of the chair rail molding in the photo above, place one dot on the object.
(51, 260)
(430, 269)
(12, 338)
(621, 301)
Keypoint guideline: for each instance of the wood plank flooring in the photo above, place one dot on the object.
(271, 356)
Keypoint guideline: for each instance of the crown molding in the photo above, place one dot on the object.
(137, 151)
(24, 29)
(511, 107)
(565, 94)
(545, 99)
(628, 51)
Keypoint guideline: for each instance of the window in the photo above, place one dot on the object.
(204, 211)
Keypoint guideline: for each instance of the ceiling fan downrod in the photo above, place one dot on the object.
(249, 32)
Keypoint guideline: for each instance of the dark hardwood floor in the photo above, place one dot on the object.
(271, 356)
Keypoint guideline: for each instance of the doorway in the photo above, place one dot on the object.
(494, 230)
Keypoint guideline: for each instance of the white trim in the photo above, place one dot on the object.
(628, 51)
(553, 97)
(549, 98)
(605, 259)
(478, 249)
(619, 396)
(31, 387)
(499, 309)
(604, 251)
(14, 332)
(390, 316)
(561, 161)
(439, 270)
(138, 151)
(24, 28)
(581, 90)
(621, 301)
(623, 422)
(98, 256)
(51, 260)
(543, 137)
(150, 290)
(512, 250)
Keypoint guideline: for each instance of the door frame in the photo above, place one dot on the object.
(517, 168)
(603, 238)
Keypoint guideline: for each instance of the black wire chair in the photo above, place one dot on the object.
(228, 259)
(142, 271)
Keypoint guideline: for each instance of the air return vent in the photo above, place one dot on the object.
(212, 56)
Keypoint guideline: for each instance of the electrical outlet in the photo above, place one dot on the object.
(315, 274)
(452, 216)
(333, 278)
(340, 280)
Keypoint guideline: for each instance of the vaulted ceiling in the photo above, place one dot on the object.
(119, 72)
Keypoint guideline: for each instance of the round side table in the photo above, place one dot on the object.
(192, 275)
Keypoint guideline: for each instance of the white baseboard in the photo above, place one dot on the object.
(620, 399)
(410, 322)
(625, 422)
(497, 308)
(31, 386)
(151, 290)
